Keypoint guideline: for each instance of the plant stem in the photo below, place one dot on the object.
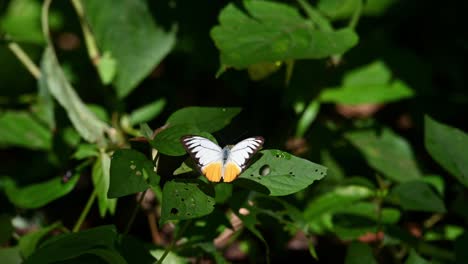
(90, 41)
(135, 211)
(315, 16)
(85, 211)
(25, 60)
(356, 15)
(171, 246)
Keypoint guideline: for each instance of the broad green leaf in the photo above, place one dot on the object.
(29, 242)
(279, 173)
(186, 200)
(101, 178)
(130, 171)
(414, 258)
(273, 32)
(136, 43)
(332, 201)
(10, 255)
(387, 153)
(207, 119)
(359, 253)
(6, 229)
(134, 250)
(168, 140)
(368, 84)
(85, 122)
(437, 183)
(307, 117)
(418, 196)
(147, 112)
(22, 129)
(447, 146)
(97, 241)
(38, 194)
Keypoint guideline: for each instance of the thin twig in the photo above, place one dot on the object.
(85, 211)
(25, 60)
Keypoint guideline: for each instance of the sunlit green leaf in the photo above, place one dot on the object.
(147, 112)
(340, 9)
(22, 129)
(386, 152)
(38, 194)
(279, 173)
(186, 200)
(144, 46)
(129, 172)
(418, 196)
(85, 122)
(101, 179)
(447, 145)
(271, 32)
(207, 119)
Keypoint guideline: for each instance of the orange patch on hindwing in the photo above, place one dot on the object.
(212, 171)
(231, 171)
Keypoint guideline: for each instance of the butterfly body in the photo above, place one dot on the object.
(218, 163)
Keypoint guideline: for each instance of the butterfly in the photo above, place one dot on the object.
(218, 163)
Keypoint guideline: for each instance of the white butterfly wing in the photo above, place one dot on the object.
(202, 150)
(244, 150)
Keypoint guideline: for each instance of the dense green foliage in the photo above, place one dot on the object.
(362, 105)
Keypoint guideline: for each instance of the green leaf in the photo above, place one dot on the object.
(44, 108)
(171, 258)
(22, 129)
(307, 117)
(134, 250)
(136, 43)
(6, 229)
(38, 194)
(29, 242)
(129, 171)
(447, 146)
(260, 71)
(183, 168)
(97, 241)
(107, 68)
(147, 112)
(85, 151)
(101, 179)
(273, 32)
(186, 200)
(280, 173)
(414, 258)
(386, 152)
(359, 253)
(418, 196)
(168, 140)
(368, 84)
(85, 122)
(340, 197)
(10, 255)
(207, 119)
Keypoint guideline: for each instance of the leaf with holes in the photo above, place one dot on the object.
(279, 173)
(129, 172)
(273, 32)
(186, 200)
(208, 119)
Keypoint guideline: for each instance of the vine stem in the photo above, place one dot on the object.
(85, 211)
(25, 59)
(90, 41)
(171, 246)
(356, 15)
(134, 213)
